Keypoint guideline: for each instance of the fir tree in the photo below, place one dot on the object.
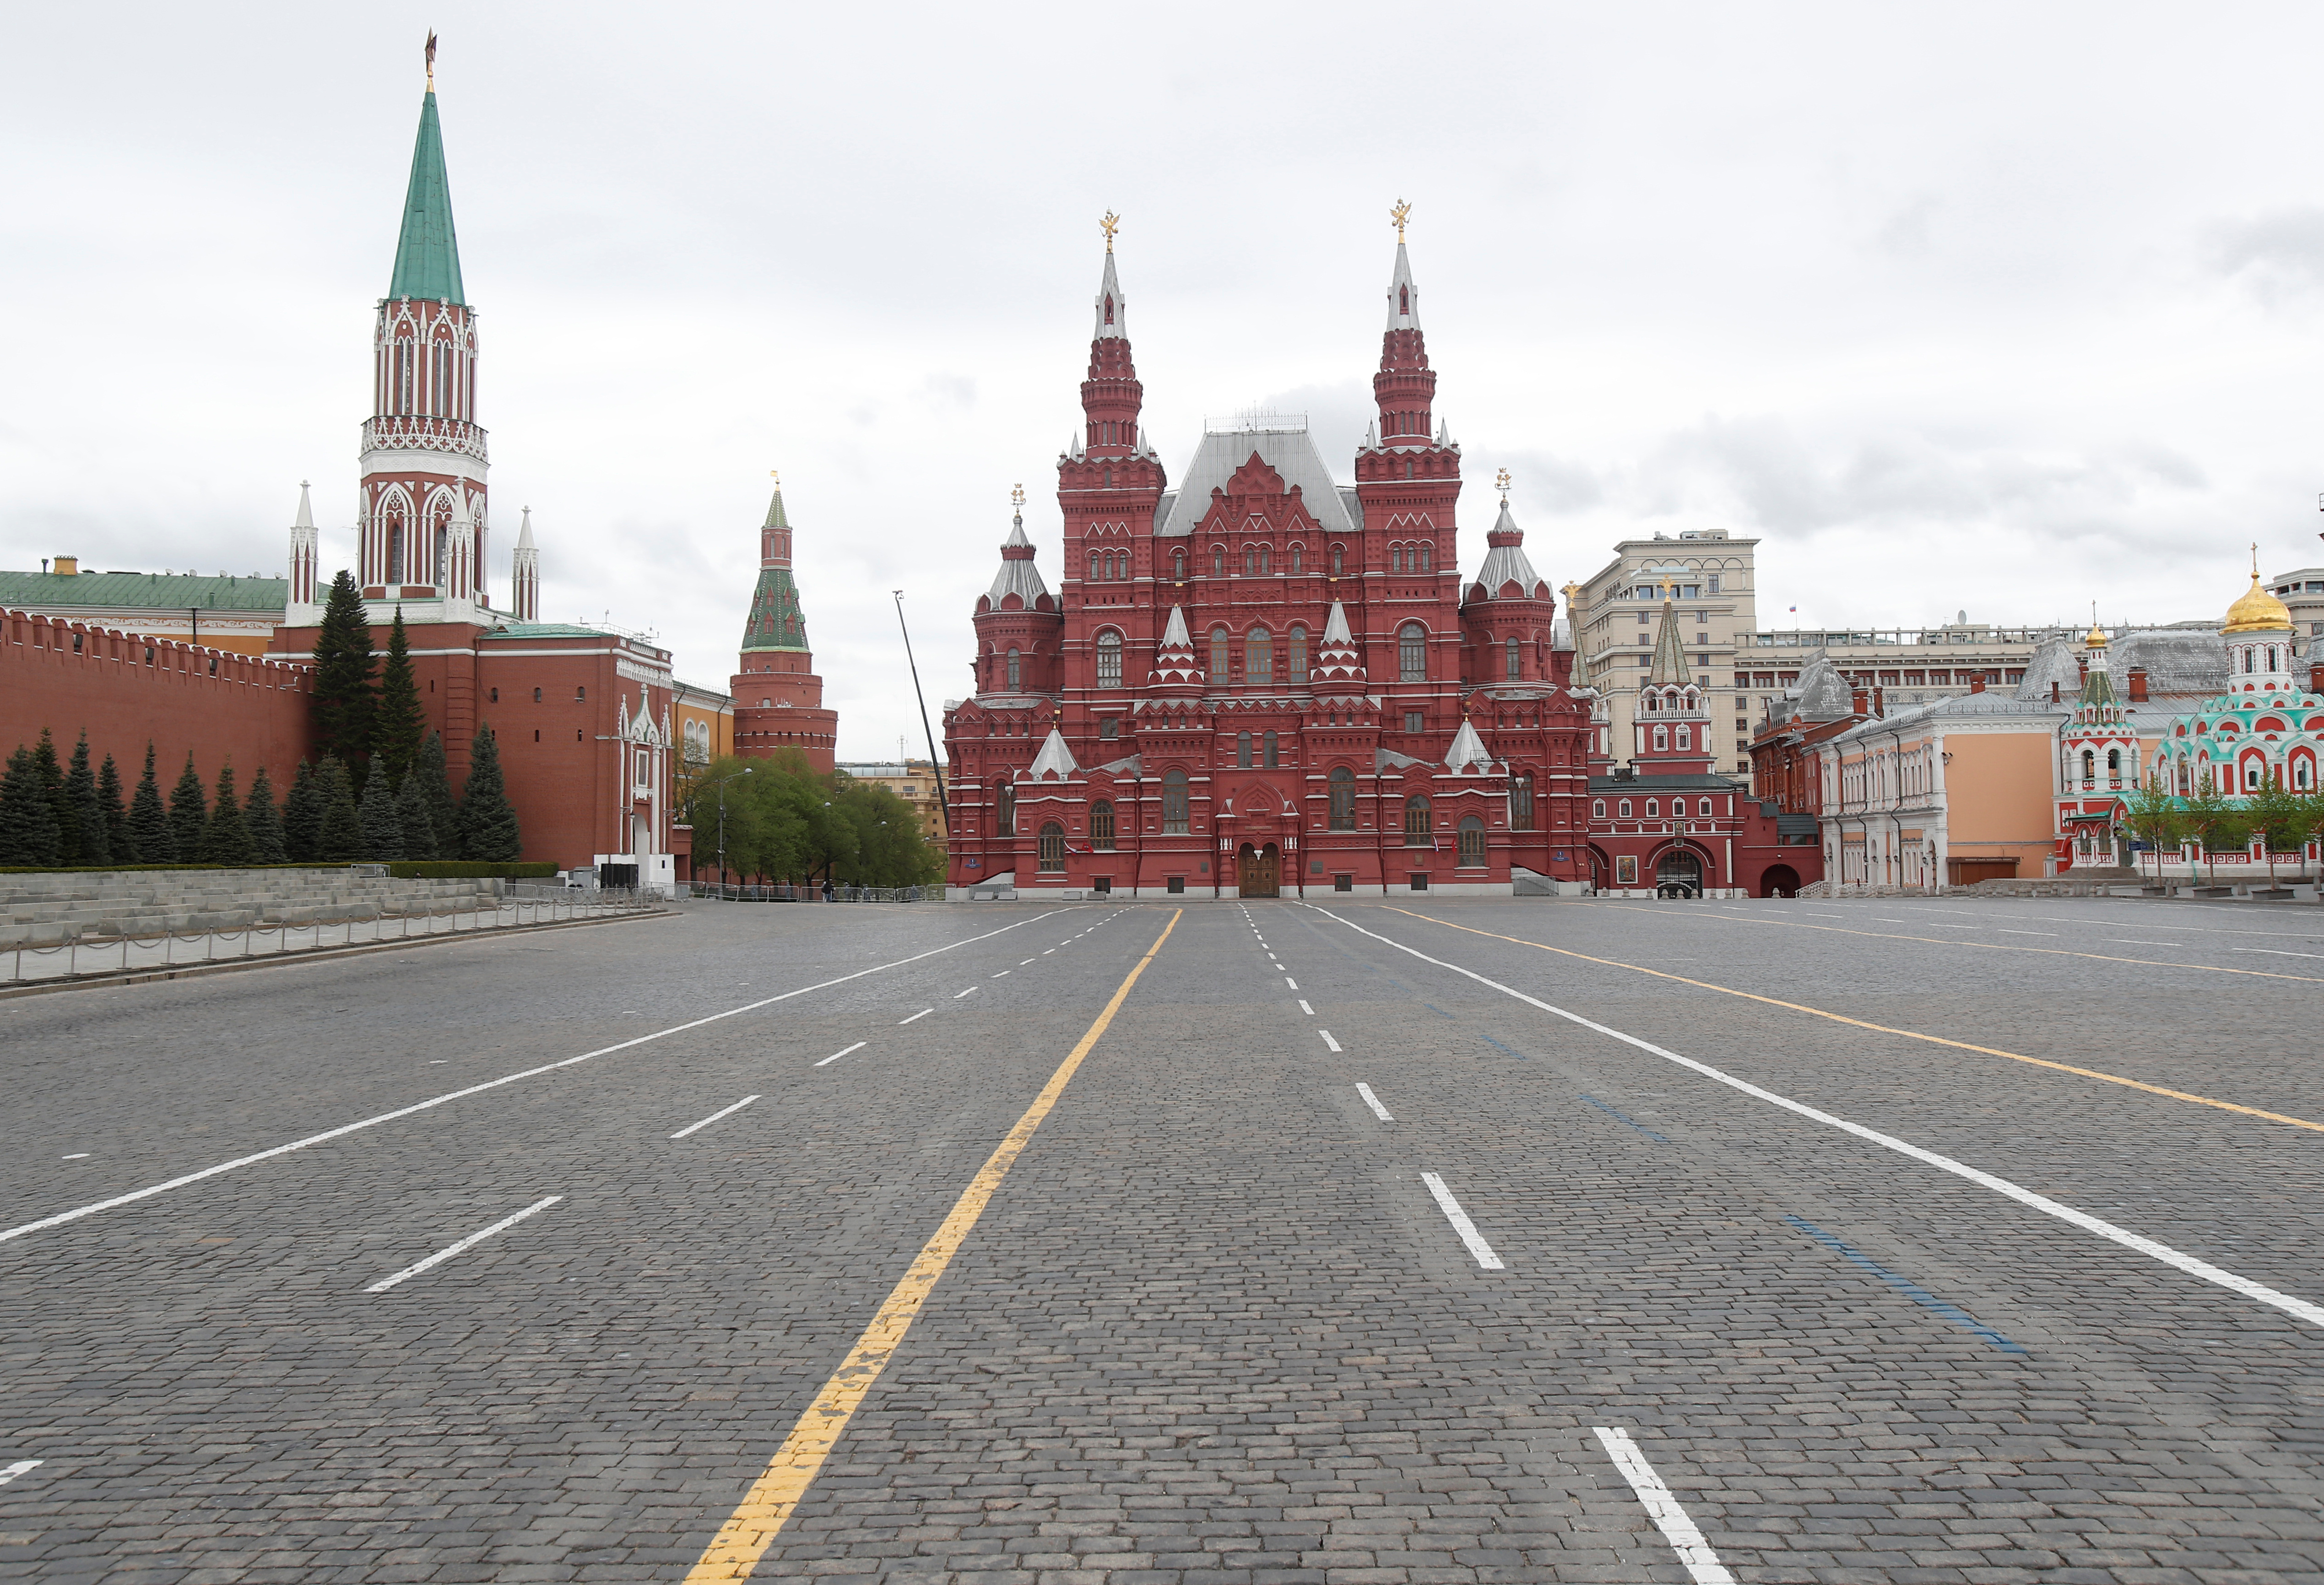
(435, 787)
(148, 820)
(339, 840)
(28, 819)
(51, 776)
(413, 820)
(118, 840)
(87, 823)
(302, 817)
(488, 829)
(226, 839)
(189, 815)
(397, 724)
(342, 701)
(265, 821)
(383, 831)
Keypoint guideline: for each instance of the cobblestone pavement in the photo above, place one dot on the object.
(1875, 1306)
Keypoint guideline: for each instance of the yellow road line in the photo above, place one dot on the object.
(2055, 952)
(2039, 1062)
(747, 1533)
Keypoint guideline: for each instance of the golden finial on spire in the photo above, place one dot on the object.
(1570, 591)
(431, 60)
(1399, 214)
(1110, 223)
(1017, 496)
(777, 475)
(1502, 484)
(2255, 559)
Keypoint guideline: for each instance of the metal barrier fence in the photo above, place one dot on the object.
(785, 892)
(159, 951)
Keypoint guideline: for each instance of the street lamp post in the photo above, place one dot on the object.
(720, 785)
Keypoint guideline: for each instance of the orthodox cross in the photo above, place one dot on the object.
(431, 60)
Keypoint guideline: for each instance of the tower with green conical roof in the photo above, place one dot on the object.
(778, 696)
(425, 523)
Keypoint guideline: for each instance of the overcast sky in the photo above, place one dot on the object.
(1998, 307)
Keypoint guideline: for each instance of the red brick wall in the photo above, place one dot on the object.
(125, 690)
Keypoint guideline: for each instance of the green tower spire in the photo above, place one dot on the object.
(776, 621)
(426, 253)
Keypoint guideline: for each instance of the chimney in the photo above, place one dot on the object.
(68, 566)
(1880, 702)
(2083, 668)
(1977, 682)
(2054, 691)
(2138, 685)
(1861, 701)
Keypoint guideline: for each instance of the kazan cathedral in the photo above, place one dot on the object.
(1260, 682)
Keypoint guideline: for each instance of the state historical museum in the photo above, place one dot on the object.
(1264, 683)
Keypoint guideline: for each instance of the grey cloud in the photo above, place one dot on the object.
(2278, 257)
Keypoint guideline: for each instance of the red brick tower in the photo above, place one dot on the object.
(778, 697)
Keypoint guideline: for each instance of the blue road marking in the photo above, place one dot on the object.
(1497, 1046)
(1909, 1288)
(1611, 1112)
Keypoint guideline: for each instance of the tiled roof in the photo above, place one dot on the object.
(48, 591)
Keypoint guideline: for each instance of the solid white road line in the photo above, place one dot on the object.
(1702, 1564)
(2275, 951)
(78, 1156)
(473, 1239)
(21, 1467)
(2289, 1303)
(1328, 1040)
(1303, 1008)
(1459, 1218)
(1999, 931)
(1373, 1102)
(714, 1116)
(147, 1192)
(859, 1046)
(922, 1013)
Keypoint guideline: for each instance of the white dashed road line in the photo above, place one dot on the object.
(1287, 980)
(1001, 975)
(441, 1255)
(1303, 1008)
(1328, 1040)
(1702, 1564)
(21, 1467)
(714, 1116)
(2291, 1304)
(1459, 1218)
(922, 1013)
(1373, 1102)
(859, 1046)
(958, 994)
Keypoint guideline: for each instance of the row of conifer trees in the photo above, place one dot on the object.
(380, 791)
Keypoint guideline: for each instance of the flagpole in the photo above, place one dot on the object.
(935, 763)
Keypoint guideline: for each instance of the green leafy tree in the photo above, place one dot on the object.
(435, 787)
(28, 817)
(343, 699)
(119, 841)
(382, 833)
(189, 815)
(93, 843)
(226, 839)
(2213, 819)
(302, 817)
(398, 724)
(414, 821)
(2154, 817)
(148, 819)
(264, 820)
(52, 775)
(2281, 813)
(339, 840)
(488, 827)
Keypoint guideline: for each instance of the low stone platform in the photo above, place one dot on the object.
(51, 909)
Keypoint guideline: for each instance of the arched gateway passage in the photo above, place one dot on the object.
(1259, 872)
(1680, 874)
(1779, 880)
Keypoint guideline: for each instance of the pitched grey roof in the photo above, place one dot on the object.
(1018, 575)
(1289, 452)
(1506, 564)
(2180, 662)
(1824, 694)
(2052, 662)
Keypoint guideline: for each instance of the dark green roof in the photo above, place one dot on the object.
(776, 621)
(426, 253)
(48, 591)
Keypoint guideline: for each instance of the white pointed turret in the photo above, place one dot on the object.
(1505, 564)
(1403, 296)
(1336, 628)
(304, 555)
(524, 574)
(1174, 636)
(1018, 575)
(1338, 662)
(1173, 657)
(1111, 322)
(1054, 760)
(1468, 751)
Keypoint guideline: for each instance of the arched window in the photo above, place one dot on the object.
(2113, 762)
(1218, 654)
(1685, 737)
(1053, 847)
(2270, 657)
(1266, 558)
(1342, 783)
(1395, 558)
(1412, 653)
(1516, 665)
(1472, 842)
(1174, 802)
(1626, 808)
(1178, 565)
(1004, 809)
(1295, 653)
(1093, 565)
(1428, 558)
(1108, 660)
(1416, 822)
(535, 696)
(1704, 808)
(1258, 656)
(1662, 739)
(1266, 756)
(1249, 559)
(1242, 751)
(1101, 827)
(1521, 803)
(2089, 765)
(1297, 553)
(1016, 669)
(1217, 561)
(1336, 561)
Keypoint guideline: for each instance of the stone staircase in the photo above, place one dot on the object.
(49, 910)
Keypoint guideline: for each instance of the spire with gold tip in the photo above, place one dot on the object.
(2257, 611)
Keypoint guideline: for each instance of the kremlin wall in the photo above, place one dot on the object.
(1253, 681)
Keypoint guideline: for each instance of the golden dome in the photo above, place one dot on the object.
(2258, 612)
(2095, 638)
